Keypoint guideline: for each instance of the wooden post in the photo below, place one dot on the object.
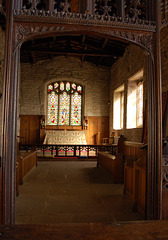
(18, 4)
(154, 192)
(9, 118)
(51, 5)
(122, 9)
(158, 202)
(151, 138)
(90, 6)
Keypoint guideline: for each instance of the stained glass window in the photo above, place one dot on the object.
(64, 109)
(76, 109)
(50, 88)
(79, 88)
(73, 85)
(68, 86)
(64, 104)
(56, 85)
(62, 86)
(52, 108)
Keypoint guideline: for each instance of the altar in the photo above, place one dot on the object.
(65, 137)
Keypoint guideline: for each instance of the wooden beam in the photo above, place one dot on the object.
(83, 39)
(105, 42)
(33, 56)
(83, 56)
(75, 53)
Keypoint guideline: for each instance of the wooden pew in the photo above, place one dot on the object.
(132, 173)
(135, 175)
(113, 163)
(25, 162)
(139, 184)
(131, 152)
(29, 160)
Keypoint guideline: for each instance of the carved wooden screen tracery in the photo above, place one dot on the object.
(137, 9)
(132, 9)
(35, 4)
(106, 7)
(57, 5)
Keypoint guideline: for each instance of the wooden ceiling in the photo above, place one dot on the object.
(100, 51)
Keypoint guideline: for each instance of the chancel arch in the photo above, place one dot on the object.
(118, 31)
(58, 62)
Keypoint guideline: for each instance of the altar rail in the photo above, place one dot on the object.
(69, 150)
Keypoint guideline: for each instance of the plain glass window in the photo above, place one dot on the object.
(118, 108)
(135, 104)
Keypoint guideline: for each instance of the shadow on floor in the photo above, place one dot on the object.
(71, 192)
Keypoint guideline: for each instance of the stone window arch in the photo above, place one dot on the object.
(64, 103)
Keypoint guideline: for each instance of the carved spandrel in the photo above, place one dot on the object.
(24, 32)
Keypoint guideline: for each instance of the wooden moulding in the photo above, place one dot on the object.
(152, 230)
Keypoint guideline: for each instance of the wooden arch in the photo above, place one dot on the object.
(20, 31)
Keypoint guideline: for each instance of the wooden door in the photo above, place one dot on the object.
(34, 132)
(30, 129)
(93, 129)
(103, 127)
(24, 129)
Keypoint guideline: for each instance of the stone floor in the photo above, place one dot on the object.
(71, 192)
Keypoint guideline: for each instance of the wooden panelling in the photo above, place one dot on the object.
(98, 128)
(24, 128)
(128, 179)
(30, 129)
(165, 204)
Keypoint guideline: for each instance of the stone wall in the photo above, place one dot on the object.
(2, 47)
(35, 77)
(132, 61)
